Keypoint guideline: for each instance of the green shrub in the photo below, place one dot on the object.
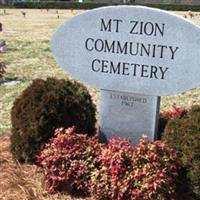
(58, 5)
(175, 7)
(108, 172)
(91, 5)
(165, 116)
(44, 106)
(183, 135)
(68, 161)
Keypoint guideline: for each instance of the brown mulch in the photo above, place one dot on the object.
(22, 182)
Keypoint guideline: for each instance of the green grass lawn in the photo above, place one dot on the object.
(29, 57)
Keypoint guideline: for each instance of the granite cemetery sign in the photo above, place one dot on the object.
(134, 55)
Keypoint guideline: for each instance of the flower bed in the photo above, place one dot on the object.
(112, 171)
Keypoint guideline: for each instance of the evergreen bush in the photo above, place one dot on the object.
(92, 5)
(44, 106)
(183, 135)
(165, 116)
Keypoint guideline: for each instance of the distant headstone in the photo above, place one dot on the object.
(2, 69)
(134, 52)
(2, 43)
(190, 14)
(3, 46)
(23, 13)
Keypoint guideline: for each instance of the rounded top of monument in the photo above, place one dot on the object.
(130, 48)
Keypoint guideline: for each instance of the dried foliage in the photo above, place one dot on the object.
(44, 106)
(108, 172)
(22, 182)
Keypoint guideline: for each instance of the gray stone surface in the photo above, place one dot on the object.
(128, 115)
(141, 52)
(130, 48)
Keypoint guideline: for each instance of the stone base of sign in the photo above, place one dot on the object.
(128, 115)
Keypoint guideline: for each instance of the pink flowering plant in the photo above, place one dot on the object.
(146, 172)
(154, 171)
(68, 161)
(114, 171)
(115, 166)
(174, 113)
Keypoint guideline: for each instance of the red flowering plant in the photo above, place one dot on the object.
(154, 171)
(175, 112)
(165, 116)
(67, 161)
(115, 165)
(145, 172)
